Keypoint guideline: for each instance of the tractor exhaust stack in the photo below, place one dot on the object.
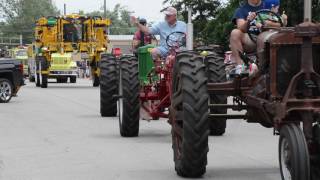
(190, 30)
(308, 10)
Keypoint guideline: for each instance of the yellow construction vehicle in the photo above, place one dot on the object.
(20, 53)
(59, 39)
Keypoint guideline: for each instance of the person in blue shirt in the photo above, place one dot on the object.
(164, 28)
(239, 39)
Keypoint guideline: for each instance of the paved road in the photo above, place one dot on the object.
(57, 134)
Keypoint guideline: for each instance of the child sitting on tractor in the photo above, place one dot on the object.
(273, 6)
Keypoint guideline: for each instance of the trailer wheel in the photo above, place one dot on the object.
(216, 74)
(73, 79)
(293, 154)
(129, 103)
(64, 80)
(6, 90)
(108, 86)
(189, 116)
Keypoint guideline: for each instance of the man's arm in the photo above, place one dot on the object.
(242, 24)
(136, 40)
(140, 27)
(136, 43)
(143, 28)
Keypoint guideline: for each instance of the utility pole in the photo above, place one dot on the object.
(105, 9)
(65, 9)
(105, 14)
(308, 10)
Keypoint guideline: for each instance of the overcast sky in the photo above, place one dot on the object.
(149, 9)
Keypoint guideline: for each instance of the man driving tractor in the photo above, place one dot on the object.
(244, 15)
(165, 28)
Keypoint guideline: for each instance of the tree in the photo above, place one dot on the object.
(218, 30)
(294, 10)
(120, 20)
(20, 16)
(203, 10)
(215, 27)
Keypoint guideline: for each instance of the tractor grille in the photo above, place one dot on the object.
(60, 61)
(288, 64)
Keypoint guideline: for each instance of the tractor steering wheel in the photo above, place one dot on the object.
(254, 31)
(176, 39)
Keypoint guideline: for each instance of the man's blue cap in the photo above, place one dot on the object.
(268, 4)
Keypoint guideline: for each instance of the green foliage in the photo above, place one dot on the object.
(120, 18)
(218, 30)
(203, 10)
(294, 10)
(20, 16)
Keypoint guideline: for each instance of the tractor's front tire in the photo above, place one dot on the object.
(189, 116)
(216, 74)
(42, 66)
(129, 103)
(108, 86)
(44, 81)
(96, 81)
(294, 156)
(37, 80)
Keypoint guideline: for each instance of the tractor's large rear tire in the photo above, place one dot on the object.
(216, 74)
(108, 86)
(189, 115)
(293, 154)
(129, 103)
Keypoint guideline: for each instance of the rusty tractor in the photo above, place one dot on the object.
(284, 95)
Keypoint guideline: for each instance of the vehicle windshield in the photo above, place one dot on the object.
(72, 32)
